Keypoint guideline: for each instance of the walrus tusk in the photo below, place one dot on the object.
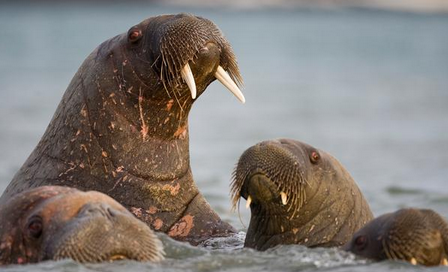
(248, 201)
(225, 79)
(187, 75)
(284, 198)
(444, 262)
(117, 257)
(413, 261)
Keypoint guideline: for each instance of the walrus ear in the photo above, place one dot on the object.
(134, 34)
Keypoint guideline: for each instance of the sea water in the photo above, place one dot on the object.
(368, 86)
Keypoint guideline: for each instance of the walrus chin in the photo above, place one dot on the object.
(297, 195)
(122, 125)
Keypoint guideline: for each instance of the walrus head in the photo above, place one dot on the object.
(52, 223)
(298, 195)
(179, 56)
(413, 235)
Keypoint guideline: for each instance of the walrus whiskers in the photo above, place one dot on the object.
(176, 60)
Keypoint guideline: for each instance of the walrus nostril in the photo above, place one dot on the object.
(97, 209)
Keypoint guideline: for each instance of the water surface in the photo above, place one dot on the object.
(370, 87)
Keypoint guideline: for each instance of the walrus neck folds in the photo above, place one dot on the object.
(146, 131)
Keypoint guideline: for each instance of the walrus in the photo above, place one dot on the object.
(418, 236)
(122, 125)
(54, 223)
(297, 194)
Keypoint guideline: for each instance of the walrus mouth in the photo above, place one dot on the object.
(220, 75)
(274, 172)
(193, 33)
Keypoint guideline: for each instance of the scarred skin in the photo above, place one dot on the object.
(122, 125)
(54, 222)
(324, 206)
(419, 236)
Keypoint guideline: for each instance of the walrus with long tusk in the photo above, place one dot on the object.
(54, 222)
(418, 236)
(122, 125)
(297, 194)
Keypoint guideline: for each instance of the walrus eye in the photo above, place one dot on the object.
(314, 157)
(361, 242)
(134, 35)
(35, 227)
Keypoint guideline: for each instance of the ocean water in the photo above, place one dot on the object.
(368, 86)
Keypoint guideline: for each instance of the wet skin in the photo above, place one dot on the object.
(297, 195)
(418, 236)
(122, 125)
(54, 222)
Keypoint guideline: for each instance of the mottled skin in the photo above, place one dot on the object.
(54, 222)
(418, 236)
(324, 205)
(122, 125)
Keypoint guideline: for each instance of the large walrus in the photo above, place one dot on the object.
(297, 195)
(122, 125)
(418, 236)
(54, 222)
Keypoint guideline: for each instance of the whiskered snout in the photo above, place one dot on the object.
(183, 40)
(102, 233)
(269, 174)
(418, 236)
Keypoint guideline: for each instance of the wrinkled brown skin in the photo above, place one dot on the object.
(406, 234)
(54, 222)
(122, 126)
(325, 206)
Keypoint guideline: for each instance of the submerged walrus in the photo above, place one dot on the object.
(122, 125)
(297, 195)
(418, 236)
(54, 222)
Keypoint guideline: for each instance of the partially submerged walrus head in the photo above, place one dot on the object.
(418, 236)
(298, 195)
(52, 223)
